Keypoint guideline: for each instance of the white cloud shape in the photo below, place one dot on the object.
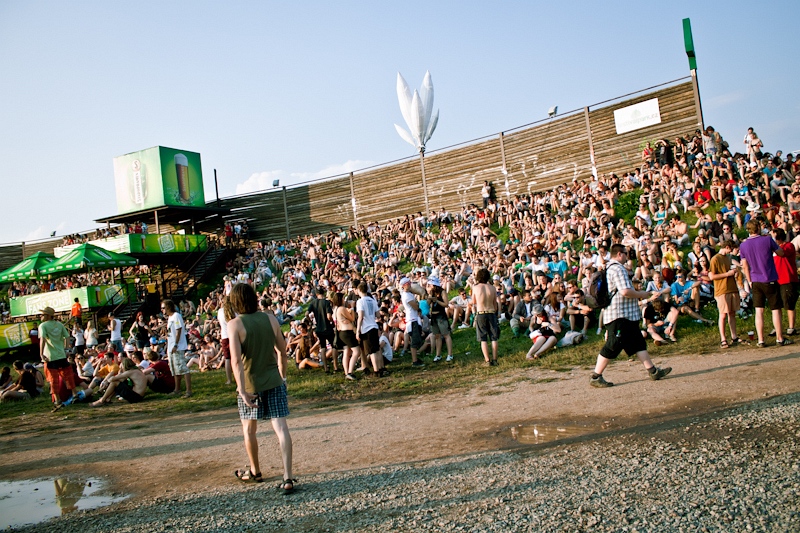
(260, 181)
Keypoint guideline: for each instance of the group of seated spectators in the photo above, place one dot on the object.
(542, 251)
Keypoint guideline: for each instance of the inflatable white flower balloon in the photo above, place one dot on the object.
(417, 112)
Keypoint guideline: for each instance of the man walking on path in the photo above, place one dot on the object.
(621, 321)
(759, 269)
(485, 297)
(176, 347)
(53, 338)
(258, 358)
(726, 292)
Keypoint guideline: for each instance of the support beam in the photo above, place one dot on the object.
(424, 183)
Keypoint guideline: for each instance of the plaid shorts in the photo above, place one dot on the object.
(271, 403)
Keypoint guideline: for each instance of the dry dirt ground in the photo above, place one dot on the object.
(151, 456)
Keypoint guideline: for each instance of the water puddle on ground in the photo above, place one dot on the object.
(31, 501)
(544, 433)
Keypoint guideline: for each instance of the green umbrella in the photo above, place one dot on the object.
(88, 256)
(29, 267)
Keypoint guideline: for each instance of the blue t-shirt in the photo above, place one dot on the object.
(557, 267)
(681, 291)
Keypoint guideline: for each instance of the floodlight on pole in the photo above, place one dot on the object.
(553, 111)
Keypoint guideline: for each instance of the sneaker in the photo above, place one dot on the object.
(449, 359)
(599, 331)
(418, 362)
(437, 358)
(351, 377)
(791, 331)
(402, 353)
(493, 362)
(600, 382)
(68, 401)
(772, 333)
(463, 326)
(784, 342)
(487, 363)
(658, 343)
(660, 373)
(81, 394)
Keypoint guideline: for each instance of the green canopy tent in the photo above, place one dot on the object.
(28, 268)
(87, 257)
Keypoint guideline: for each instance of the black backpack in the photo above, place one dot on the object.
(598, 289)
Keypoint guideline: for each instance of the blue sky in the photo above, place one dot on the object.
(302, 90)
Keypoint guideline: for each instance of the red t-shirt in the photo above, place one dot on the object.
(702, 196)
(161, 371)
(787, 271)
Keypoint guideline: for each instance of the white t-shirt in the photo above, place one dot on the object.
(412, 315)
(174, 324)
(223, 324)
(368, 306)
(386, 348)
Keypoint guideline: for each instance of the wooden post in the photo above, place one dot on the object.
(353, 201)
(591, 144)
(158, 229)
(424, 182)
(286, 214)
(503, 169)
(697, 105)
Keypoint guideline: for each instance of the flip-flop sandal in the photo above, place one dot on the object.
(287, 490)
(247, 476)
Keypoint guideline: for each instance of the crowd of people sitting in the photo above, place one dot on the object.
(354, 300)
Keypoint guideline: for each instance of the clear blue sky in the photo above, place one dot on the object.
(300, 90)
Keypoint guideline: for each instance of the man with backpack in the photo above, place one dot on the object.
(621, 319)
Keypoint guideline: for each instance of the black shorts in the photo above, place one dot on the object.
(623, 334)
(161, 386)
(416, 335)
(768, 293)
(487, 327)
(347, 338)
(370, 341)
(789, 295)
(326, 337)
(126, 391)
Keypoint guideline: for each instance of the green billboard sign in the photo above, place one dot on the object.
(15, 335)
(61, 301)
(146, 243)
(156, 177)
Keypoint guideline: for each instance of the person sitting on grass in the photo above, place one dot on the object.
(684, 294)
(130, 384)
(159, 376)
(25, 386)
(543, 335)
(661, 319)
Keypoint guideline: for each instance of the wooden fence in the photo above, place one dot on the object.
(527, 159)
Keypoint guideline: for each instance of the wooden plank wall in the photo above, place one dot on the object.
(619, 153)
(537, 158)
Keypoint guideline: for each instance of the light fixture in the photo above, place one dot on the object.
(275, 183)
(553, 111)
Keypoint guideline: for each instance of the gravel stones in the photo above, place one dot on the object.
(732, 471)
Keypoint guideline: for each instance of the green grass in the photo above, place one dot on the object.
(316, 390)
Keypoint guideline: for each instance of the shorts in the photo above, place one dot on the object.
(768, 293)
(728, 304)
(347, 338)
(177, 363)
(623, 334)
(272, 403)
(371, 341)
(325, 338)
(416, 336)
(226, 348)
(440, 326)
(486, 327)
(789, 295)
(126, 392)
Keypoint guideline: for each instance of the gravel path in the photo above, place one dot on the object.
(734, 471)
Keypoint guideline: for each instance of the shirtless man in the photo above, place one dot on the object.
(484, 296)
(118, 385)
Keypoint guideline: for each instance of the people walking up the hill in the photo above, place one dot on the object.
(621, 321)
(759, 269)
(258, 358)
(176, 347)
(486, 325)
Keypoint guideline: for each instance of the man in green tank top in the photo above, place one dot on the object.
(258, 361)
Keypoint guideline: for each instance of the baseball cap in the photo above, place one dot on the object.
(404, 281)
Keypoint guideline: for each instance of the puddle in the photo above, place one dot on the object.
(543, 433)
(32, 501)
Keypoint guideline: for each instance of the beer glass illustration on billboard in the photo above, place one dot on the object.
(138, 182)
(182, 173)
